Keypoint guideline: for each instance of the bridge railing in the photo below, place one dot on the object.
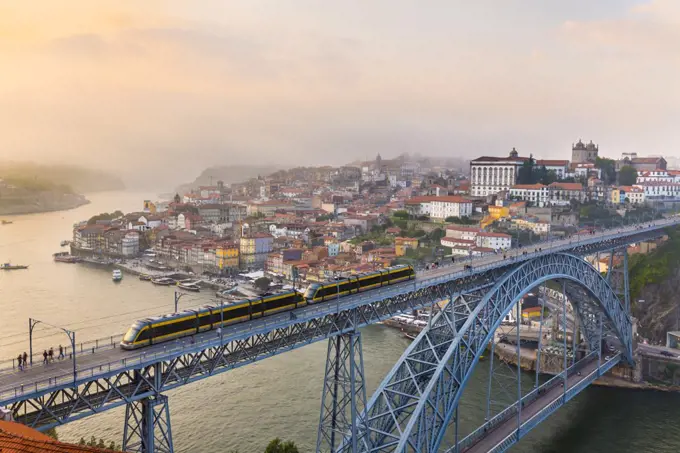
(326, 309)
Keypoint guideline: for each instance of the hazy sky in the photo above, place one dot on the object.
(171, 86)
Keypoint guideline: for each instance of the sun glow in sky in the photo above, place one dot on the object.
(181, 85)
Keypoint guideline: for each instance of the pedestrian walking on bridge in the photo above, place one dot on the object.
(51, 354)
(61, 352)
(45, 357)
(19, 361)
(25, 359)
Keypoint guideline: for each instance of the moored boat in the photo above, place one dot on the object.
(190, 286)
(163, 281)
(145, 277)
(64, 243)
(117, 275)
(7, 222)
(65, 257)
(12, 267)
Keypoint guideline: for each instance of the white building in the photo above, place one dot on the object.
(462, 237)
(560, 167)
(439, 207)
(450, 206)
(536, 194)
(490, 175)
(130, 244)
(496, 241)
(657, 175)
(659, 190)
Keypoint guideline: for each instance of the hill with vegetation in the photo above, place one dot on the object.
(229, 174)
(654, 288)
(58, 178)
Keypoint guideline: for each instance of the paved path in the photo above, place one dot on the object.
(498, 434)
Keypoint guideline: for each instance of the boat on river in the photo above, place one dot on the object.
(145, 277)
(66, 257)
(12, 267)
(7, 222)
(117, 275)
(163, 281)
(64, 243)
(190, 286)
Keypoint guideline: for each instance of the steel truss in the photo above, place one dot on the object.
(54, 406)
(344, 392)
(413, 406)
(147, 426)
(453, 336)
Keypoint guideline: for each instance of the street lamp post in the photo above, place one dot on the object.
(70, 333)
(178, 296)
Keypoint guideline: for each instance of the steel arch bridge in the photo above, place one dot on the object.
(413, 407)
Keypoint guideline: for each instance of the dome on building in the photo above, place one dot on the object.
(514, 152)
(591, 146)
(579, 145)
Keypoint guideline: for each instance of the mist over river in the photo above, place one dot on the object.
(245, 408)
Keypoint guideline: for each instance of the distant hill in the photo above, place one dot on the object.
(77, 179)
(230, 174)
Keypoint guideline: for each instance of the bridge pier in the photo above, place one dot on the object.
(147, 426)
(343, 401)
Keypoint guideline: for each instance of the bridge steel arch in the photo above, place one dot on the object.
(412, 408)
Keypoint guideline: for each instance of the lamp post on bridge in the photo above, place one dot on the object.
(178, 296)
(70, 333)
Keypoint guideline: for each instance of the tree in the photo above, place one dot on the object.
(279, 446)
(627, 175)
(608, 168)
(262, 283)
(525, 174)
(177, 198)
(400, 214)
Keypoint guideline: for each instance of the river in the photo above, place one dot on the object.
(279, 397)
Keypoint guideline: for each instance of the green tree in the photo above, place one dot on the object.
(262, 283)
(52, 432)
(400, 214)
(526, 174)
(627, 175)
(177, 198)
(105, 216)
(279, 446)
(608, 167)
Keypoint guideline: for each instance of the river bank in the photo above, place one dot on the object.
(42, 202)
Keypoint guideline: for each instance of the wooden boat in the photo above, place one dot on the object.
(12, 267)
(65, 257)
(145, 277)
(163, 281)
(190, 286)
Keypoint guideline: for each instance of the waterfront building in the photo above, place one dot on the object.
(634, 195)
(227, 256)
(253, 250)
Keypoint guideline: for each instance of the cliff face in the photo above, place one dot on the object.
(655, 288)
(660, 310)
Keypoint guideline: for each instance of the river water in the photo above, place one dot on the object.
(279, 397)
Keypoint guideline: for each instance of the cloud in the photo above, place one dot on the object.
(166, 86)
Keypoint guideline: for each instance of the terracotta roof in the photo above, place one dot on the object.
(646, 160)
(17, 438)
(567, 185)
(499, 159)
(446, 199)
(552, 163)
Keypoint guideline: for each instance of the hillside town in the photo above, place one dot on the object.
(315, 224)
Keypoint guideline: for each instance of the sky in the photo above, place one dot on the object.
(157, 90)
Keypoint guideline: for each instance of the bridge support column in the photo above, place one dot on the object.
(147, 426)
(343, 402)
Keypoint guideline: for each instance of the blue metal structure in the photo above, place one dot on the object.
(413, 406)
